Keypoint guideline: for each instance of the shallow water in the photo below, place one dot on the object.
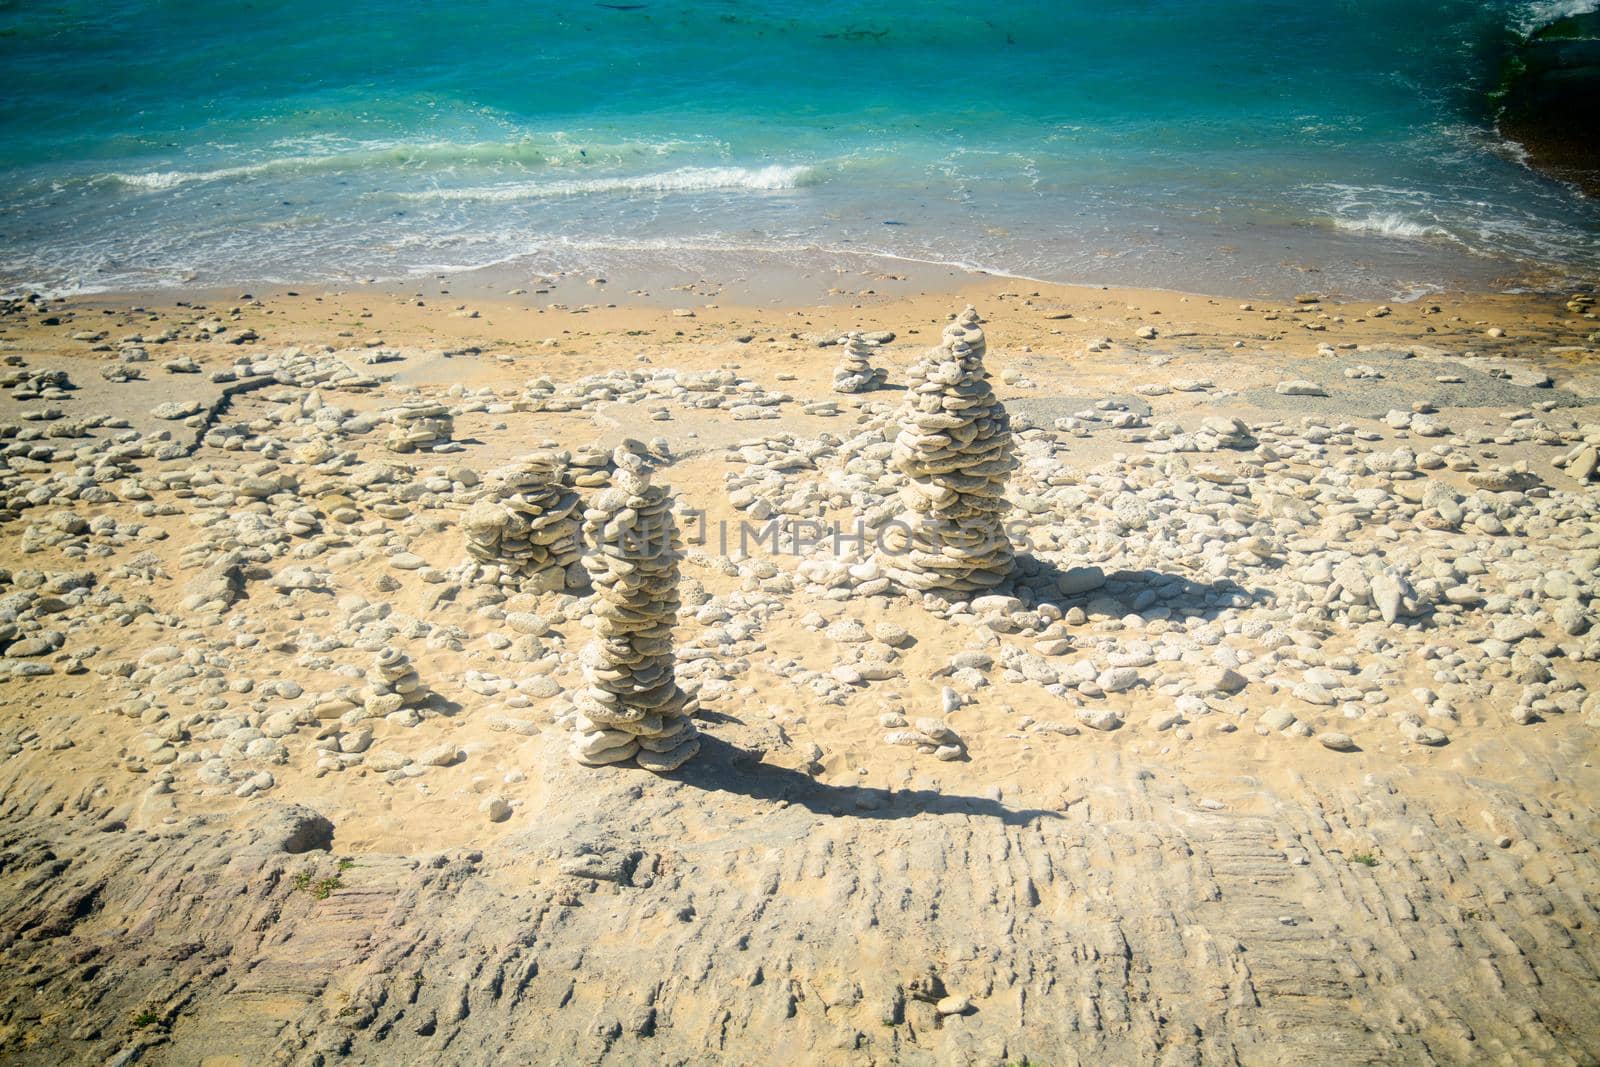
(1220, 145)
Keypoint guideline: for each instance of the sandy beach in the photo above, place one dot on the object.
(762, 533)
(1277, 745)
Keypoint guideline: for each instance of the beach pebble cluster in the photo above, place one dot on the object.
(33, 384)
(653, 395)
(631, 706)
(1583, 460)
(955, 452)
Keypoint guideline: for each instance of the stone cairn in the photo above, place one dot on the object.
(955, 450)
(526, 529)
(591, 467)
(392, 684)
(419, 424)
(631, 706)
(855, 372)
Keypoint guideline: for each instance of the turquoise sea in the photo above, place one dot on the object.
(1215, 145)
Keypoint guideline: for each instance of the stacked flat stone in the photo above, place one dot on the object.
(955, 450)
(392, 684)
(591, 467)
(631, 706)
(526, 528)
(419, 424)
(855, 372)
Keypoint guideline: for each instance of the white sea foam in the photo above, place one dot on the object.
(1392, 212)
(170, 179)
(684, 179)
(1464, 216)
(1539, 13)
(546, 151)
(1390, 224)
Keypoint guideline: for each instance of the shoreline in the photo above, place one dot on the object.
(1534, 327)
(779, 288)
(786, 277)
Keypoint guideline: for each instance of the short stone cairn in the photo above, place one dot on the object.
(631, 706)
(855, 372)
(525, 530)
(418, 424)
(955, 450)
(392, 684)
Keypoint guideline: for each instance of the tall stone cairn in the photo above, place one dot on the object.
(955, 450)
(525, 529)
(855, 372)
(631, 706)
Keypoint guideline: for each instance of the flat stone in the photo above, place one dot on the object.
(1099, 718)
(1080, 580)
(498, 809)
(440, 755)
(1118, 679)
(1219, 680)
(1277, 718)
(1337, 742)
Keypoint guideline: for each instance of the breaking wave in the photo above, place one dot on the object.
(684, 179)
(554, 152)
(1390, 224)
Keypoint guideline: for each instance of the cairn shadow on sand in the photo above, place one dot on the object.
(1149, 594)
(724, 768)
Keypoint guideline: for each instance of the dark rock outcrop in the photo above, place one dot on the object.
(1548, 96)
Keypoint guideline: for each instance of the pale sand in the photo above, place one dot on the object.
(1137, 895)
